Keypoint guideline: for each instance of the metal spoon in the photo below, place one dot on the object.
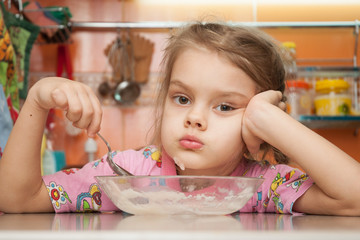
(117, 169)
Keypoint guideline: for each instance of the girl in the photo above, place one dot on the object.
(220, 105)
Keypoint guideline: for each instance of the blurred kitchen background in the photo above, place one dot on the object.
(85, 40)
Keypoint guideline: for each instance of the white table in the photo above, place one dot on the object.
(121, 226)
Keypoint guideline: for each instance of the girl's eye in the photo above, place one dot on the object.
(224, 108)
(182, 100)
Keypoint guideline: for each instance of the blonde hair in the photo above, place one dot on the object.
(250, 49)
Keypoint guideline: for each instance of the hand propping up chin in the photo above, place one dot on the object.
(258, 116)
(80, 103)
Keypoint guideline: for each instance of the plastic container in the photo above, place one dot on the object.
(298, 98)
(332, 97)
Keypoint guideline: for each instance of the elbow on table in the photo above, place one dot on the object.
(19, 203)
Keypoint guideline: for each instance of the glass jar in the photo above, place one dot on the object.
(298, 99)
(332, 97)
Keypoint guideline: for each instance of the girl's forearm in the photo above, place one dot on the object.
(20, 167)
(330, 167)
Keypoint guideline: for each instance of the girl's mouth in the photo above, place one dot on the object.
(191, 142)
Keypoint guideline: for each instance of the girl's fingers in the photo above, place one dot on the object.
(80, 103)
(282, 106)
(60, 99)
(87, 110)
(250, 137)
(94, 126)
(273, 97)
(91, 114)
(75, 106)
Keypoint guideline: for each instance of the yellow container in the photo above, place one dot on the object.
(332, 97)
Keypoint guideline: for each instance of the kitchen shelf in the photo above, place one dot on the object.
(174, 24)
(333, 72)
(350, 74)
(319, 122)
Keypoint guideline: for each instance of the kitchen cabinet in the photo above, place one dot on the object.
(182, 227)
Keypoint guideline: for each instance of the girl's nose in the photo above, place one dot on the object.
(196, 120)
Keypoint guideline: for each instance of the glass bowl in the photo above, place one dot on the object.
(198, 195)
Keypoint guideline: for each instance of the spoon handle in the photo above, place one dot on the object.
(116, 168)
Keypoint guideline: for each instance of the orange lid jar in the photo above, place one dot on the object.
(298, 99)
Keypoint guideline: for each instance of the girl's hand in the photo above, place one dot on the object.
(257, 112)
(80, 103)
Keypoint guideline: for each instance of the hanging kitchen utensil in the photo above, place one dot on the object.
(115, 59)
(113, 54)
(127, 91)
(104, 89)
(143, 50)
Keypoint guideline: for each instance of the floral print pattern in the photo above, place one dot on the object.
(57, 195)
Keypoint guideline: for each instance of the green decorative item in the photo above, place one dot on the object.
(8, 75)
(22, 36)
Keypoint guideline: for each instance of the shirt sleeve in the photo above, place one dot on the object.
(76, 190)
(282, 186)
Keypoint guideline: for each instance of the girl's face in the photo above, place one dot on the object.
(204, 107)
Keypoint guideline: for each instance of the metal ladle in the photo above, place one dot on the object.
(116, 168)
(128, 90)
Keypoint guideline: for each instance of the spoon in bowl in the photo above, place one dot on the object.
(116, 168)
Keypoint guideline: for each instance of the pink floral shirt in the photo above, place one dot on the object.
(76, 190)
